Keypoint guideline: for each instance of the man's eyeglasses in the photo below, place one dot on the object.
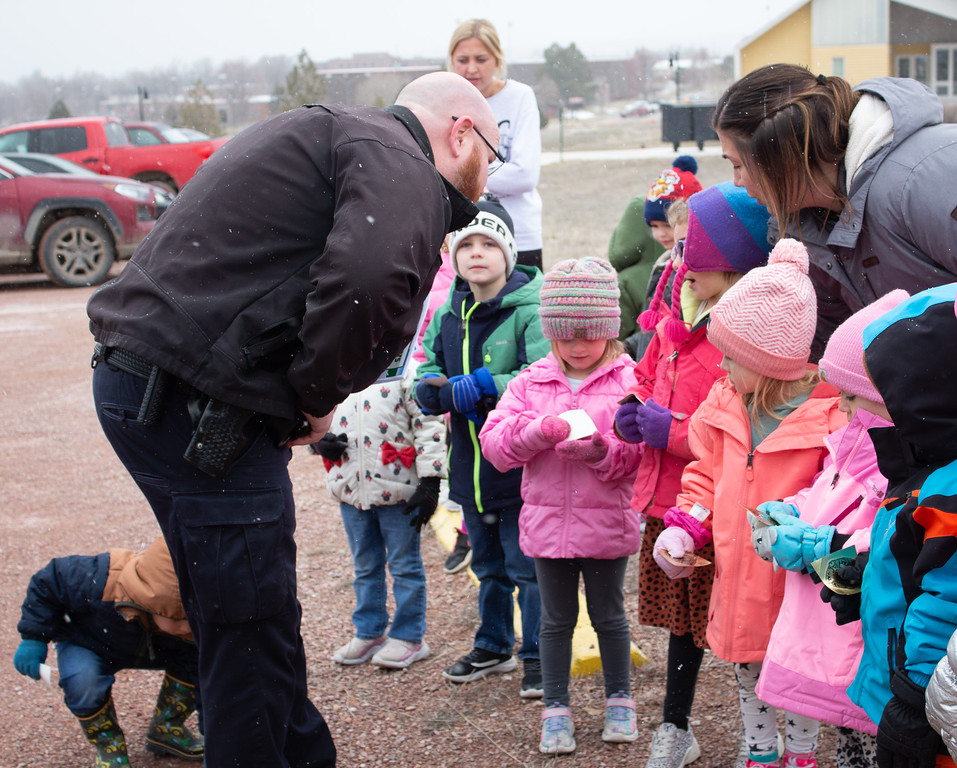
(499, 161)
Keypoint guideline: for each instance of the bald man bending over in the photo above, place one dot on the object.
(287, 274)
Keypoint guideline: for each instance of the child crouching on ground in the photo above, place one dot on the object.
(576, 521)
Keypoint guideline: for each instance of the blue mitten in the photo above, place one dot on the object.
(776, 509)
(654, 421)
(30, 654)
(626, 422)
(472, 389)
(427, 395)
(797, 544)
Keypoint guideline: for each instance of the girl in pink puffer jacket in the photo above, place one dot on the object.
(577, 520)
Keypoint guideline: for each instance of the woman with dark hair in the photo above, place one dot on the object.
(864, 176)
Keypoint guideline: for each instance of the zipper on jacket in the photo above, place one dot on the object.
(476, 447)
(749, 469)
(850, 456)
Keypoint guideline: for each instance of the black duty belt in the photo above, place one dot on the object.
(125, 361)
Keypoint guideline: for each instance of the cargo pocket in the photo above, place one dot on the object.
(239, 556)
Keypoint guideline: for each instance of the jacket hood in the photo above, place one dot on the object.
(913, 105)
(522, 287)
(144, 582)
(902, 354)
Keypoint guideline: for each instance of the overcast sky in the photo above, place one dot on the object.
(109, 37)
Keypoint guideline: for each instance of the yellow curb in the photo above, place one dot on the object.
(585, 656)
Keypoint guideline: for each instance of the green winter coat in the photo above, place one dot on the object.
(633, 251)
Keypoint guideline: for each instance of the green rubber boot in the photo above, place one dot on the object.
(104, 733)
(167, 734)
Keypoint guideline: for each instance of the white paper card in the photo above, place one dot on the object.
(581, 423)
(46, 674)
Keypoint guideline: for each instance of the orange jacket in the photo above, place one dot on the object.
(725, 476)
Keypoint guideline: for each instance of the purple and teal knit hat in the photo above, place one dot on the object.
(727, 232)
(579, 299)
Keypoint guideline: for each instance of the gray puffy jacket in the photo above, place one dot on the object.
(941, 700)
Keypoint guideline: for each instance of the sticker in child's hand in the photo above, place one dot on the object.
(826, 567)
(764, 517)
(688, 558)
(581, 424)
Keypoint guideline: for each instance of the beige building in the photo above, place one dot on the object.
(858, 39)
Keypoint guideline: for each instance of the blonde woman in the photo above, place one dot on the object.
(475, 53)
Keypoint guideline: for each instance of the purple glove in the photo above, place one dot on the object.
(654, 421)
(626, 425)
(588, 450)
(677, 542)
(542, 433)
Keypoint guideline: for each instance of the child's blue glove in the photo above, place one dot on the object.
(30, 654)
(429, 397)
(471, 389)
(796, 544)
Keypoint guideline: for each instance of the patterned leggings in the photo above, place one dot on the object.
(855, 749)
(760, 720)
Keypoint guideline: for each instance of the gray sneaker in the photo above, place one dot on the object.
(672, 747)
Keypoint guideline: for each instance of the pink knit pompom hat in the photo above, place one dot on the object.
(766, 320)
(843, 361)
(579, 298)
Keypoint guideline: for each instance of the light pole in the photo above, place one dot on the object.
(141, 93)
(675, 63)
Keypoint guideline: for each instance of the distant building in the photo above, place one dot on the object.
(858, 39)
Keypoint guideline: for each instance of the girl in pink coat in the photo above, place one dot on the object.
(809, 672)
(576, 521)
(726, 236)
(758, 435)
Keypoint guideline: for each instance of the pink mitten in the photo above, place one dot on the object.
(542, 433)
(677, 542)
(588, 450)
(555, 429)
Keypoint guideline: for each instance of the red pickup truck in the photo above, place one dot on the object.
(103, 145)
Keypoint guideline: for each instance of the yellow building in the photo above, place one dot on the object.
(858, 39)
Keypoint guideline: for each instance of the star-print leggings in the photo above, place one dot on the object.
(760, 721)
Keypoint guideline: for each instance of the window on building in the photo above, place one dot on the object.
(944, 70)
(912, 66)
(837, 66)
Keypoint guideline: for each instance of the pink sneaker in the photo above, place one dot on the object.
(798, 760)
(357, 651)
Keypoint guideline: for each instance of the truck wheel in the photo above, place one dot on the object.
(76, 251)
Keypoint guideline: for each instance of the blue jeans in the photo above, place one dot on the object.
(85, 677)
(500, 565)
(232, 545)
(377, 536)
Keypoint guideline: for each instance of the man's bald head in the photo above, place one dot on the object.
(434, 99)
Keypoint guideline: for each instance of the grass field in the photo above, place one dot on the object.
(584, 200)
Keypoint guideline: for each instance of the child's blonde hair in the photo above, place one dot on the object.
(678, 213)
(613, 350)
(770, 394)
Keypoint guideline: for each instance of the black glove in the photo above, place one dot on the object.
(330, 446)
(425, 499)
(847, 608)
(904, 737)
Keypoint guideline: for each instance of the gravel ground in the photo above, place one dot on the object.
(65, 492)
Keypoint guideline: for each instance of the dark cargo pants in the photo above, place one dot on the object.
(232, 545)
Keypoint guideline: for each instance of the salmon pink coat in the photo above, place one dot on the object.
(727, 475)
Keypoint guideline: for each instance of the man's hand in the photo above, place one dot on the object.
(318, 426)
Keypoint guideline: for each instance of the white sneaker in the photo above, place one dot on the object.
(398, 654)
(357, 651)
(672, 747)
